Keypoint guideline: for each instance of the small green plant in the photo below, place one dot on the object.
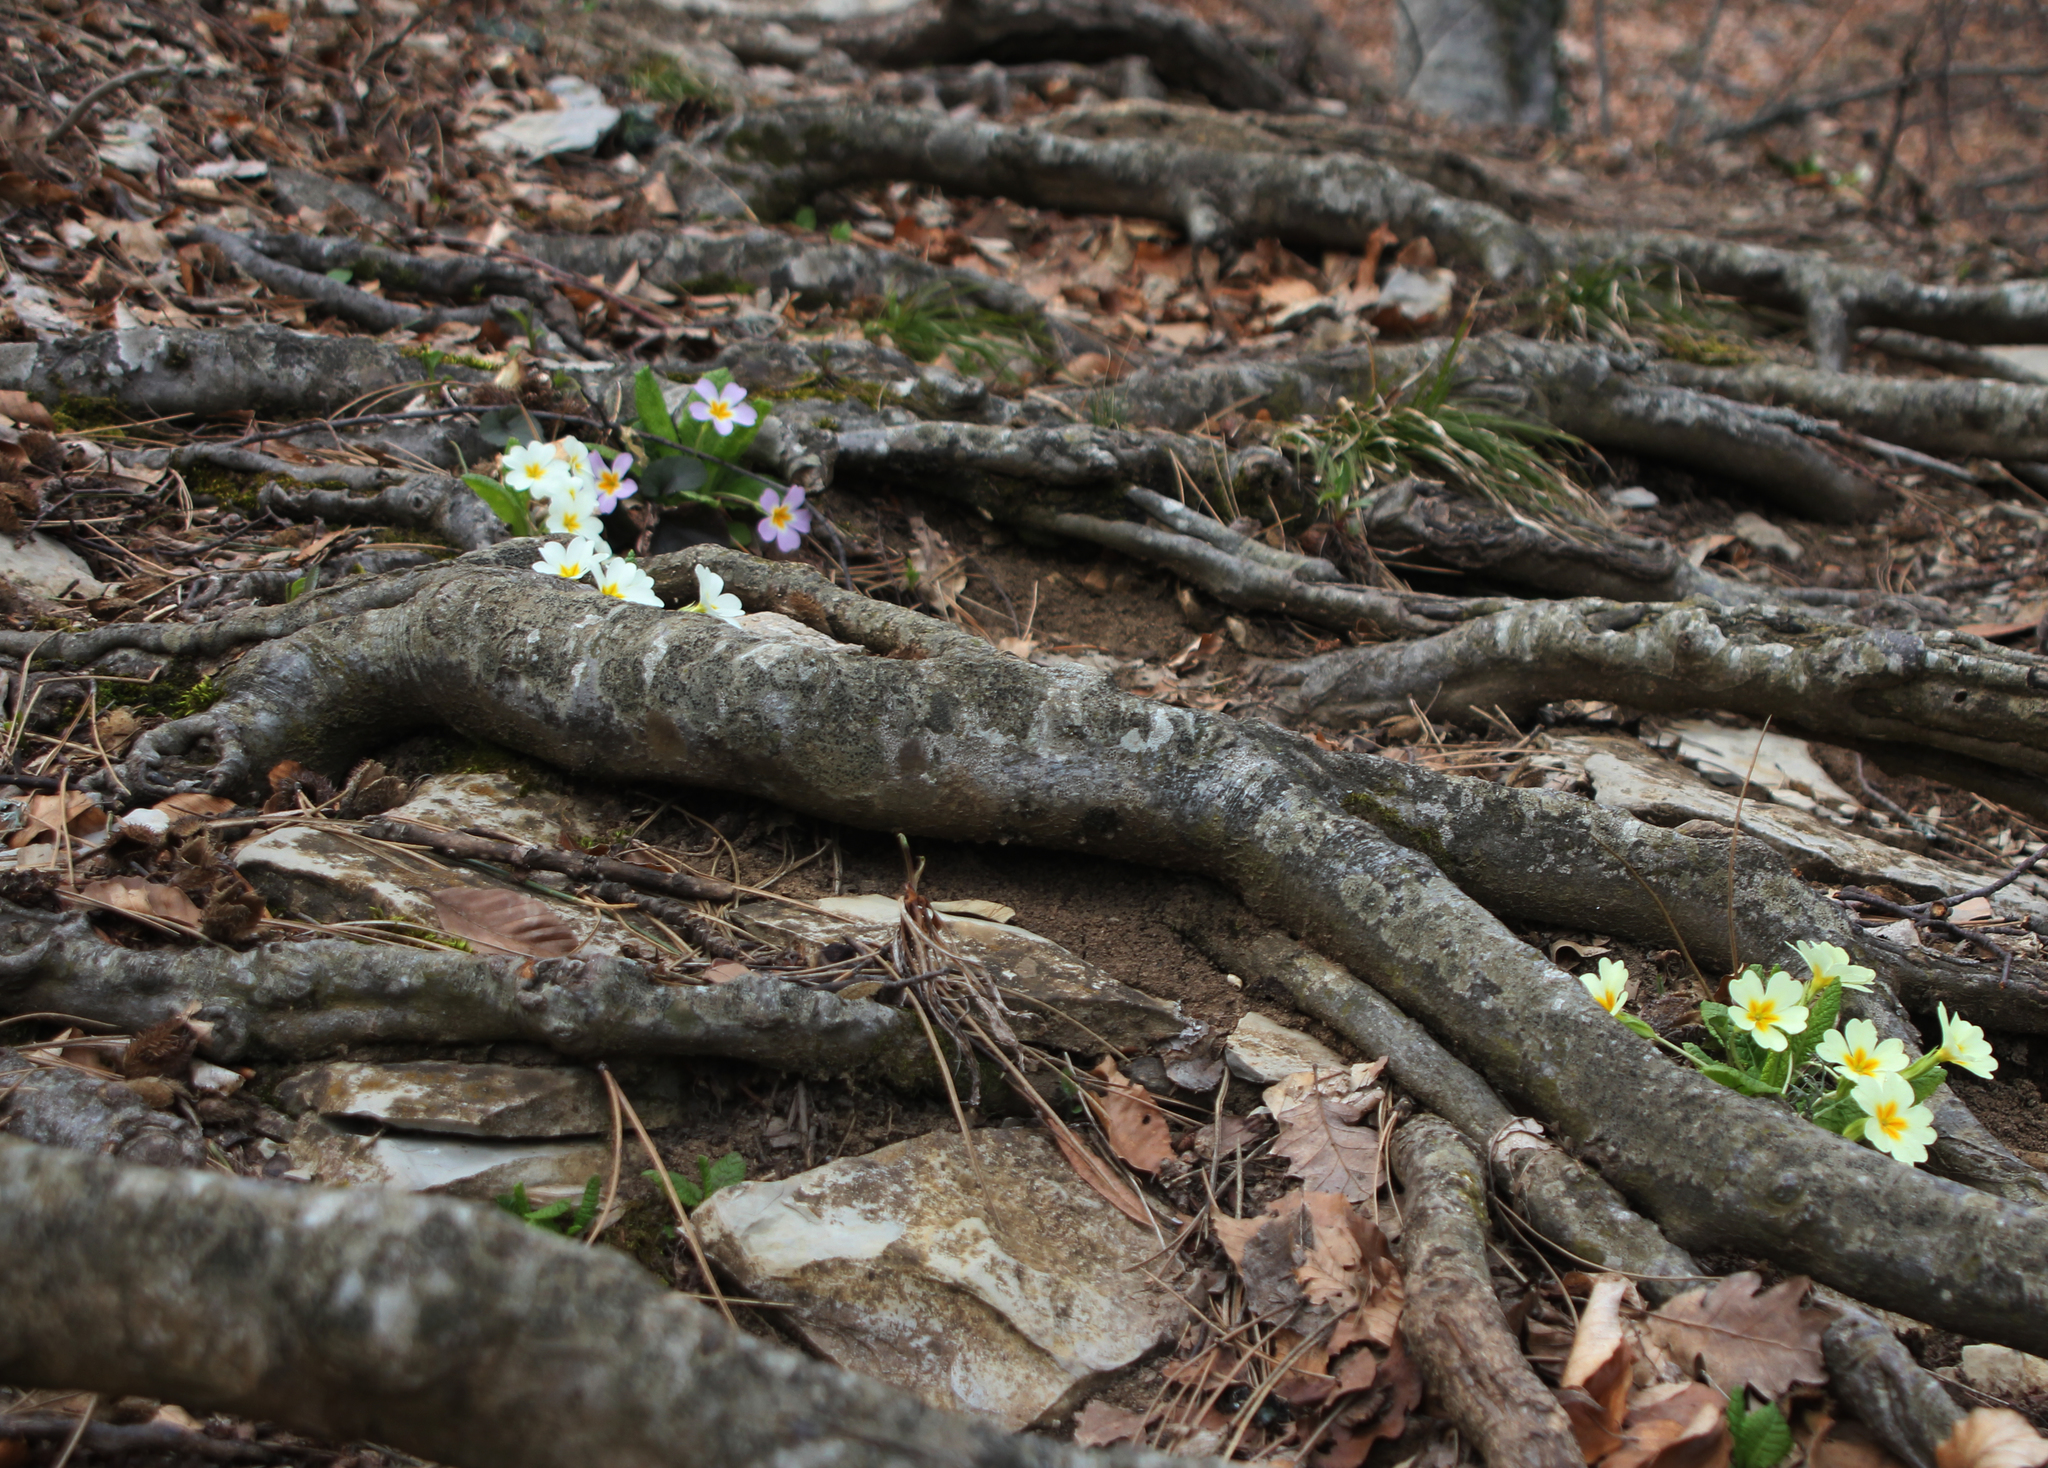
(686, 463)
(1618, 303)
(1762, 1436)
(665, 79)
(1777, 1038)
(936, 319)
(200, 697)
(558, 1217)
(712, 1175)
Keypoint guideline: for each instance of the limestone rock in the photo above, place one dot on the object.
(1263, 1051)
(464, 1167)
(1077, 1006)
(2001, 1371)
(47, 567)
(897, 1268)
(462, 1100)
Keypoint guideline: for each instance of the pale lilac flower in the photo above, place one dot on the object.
(571, 562)
(611, 484)
(783, 520)
(573, 512)
(721, 407)
(626, 581)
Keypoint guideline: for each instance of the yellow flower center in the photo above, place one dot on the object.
(1890, 1119)
(721, 409)
(1763, 1013)
(1860, 1062)
(780, 517)
(608, 482)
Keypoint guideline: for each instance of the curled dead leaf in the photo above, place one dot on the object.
(142, 898)
(1131, 1119)
(495, 920)
(1992, 1437)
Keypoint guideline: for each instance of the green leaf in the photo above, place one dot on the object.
(341, 273)
(1821, 1014)
(841, 232)
(1926, 1083)
(677, 477)
(727, 1170)
(1762, 1436)
(501, 427)
(1733, 1079)
(508, 505)
(1836, 1114)
(514, 1202)
(649, 405)
(689, 1192)
(587, 1209)
(1776, 1069)
(303, 585)
(805, 218)
(1639, 1026)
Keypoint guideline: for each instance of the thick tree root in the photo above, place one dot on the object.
(439, 503)
(310, 1000)
(1561, 1200)
(1887, 1390)
(1188, 54)
(1525, 854)
(942, 735)
(442, 1328)
(1943, 693)
(1467, 1355)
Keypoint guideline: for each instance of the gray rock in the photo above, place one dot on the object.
(465, 1167)
(576, 126)
(1263, 1051)
(297, 189)
(1059, 1001)
(897, 1267)
(46, 567)
(463, 1100)
(1768, 538)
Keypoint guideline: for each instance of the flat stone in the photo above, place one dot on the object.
(1768, 538)
(1778, 763)
(464, 1167)
(463, 1100)
(46, 567)
(1630, 776)
(577, 125)
(2002, 1371)
(1263, 1051)
(297, 189)
(1077, 1006)
(897, 1268)
(326, 877)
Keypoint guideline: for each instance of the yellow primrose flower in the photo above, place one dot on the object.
(1856, 1054)
(1895, 1126)
(1772, 1013)
(1610, 989)
(1829, 963)
(1962, 1043)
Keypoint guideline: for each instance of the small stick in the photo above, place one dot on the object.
(683, 1224)
(611, 1185)
(85, 104)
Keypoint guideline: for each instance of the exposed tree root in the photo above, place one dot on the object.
(1972, 704)
(445, 1329)
(1188, 53)
(315, 999)
(438, 503)
(1563, 1202)
(1889, 1392)
(778, 159)
(943, 735)
(1452, 1322)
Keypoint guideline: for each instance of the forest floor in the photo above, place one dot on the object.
(344, 122)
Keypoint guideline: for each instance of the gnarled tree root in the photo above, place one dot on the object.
(1451, 1320)
(1560, 1199)
(915, 726)
(1945, 696)
(442, 1328)
(319, 998)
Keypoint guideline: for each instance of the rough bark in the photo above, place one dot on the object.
(438, 503)
(1467, 1355)
(1890, 1392)
(1939, 692)
(1187, 52)
(1560, 1199)
(945, 736)
(314, 999)
(442, 1328)
(1949, 356)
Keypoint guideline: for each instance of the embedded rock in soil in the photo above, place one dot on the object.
(1630, 777)
(333, 876)
(1057, 999)
(1262, 1051)
(46, 567)
(1010, 1302)
(419, 1162)
(462, 1100)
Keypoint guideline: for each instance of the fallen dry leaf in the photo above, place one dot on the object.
(1097, 1174)
(1738, 1335)
(1681, 1425)
(1992, 1437)
(142, 898)
(1131, 1118)
(1594, 1386)
(1099, 1424)
(499, 921)
(1328, 1154)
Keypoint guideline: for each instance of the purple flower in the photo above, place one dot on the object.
(721, 407)
(783, 520)
(612, 484)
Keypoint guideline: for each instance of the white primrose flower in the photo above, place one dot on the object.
(1829, 963)
(1610, 990)
(626, 581)
(573, 513)
(572, 561)
(1856, 1054)
(1894, 1125)
(1771, 1013)
(533, 470)
(713, 599)
(1962, 1043)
